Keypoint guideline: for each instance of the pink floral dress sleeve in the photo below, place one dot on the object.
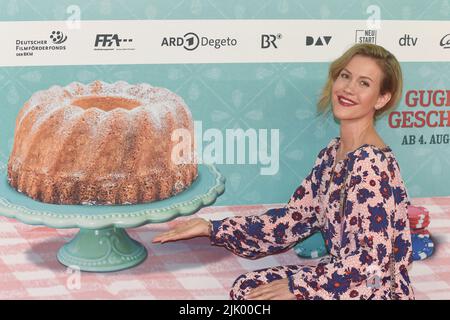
(277, 229)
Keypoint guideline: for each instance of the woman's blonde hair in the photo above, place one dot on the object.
(392, 81)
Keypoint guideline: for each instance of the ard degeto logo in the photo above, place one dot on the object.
(318, 41)
(191, 41)
(366, 36)
(445, 41)
(58, 37)
(112, 41)
(270, 40)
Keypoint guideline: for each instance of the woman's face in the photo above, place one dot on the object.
(356, 90)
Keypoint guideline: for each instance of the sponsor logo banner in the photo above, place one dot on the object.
(33, 43)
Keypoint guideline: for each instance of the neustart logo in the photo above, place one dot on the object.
(30, 47)
(191, 41)
(112, 41)
(366, 36)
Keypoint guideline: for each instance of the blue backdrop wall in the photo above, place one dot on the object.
(256, 95)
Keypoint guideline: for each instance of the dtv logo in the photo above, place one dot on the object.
(407, 41)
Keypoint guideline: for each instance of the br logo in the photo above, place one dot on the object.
(269, 40)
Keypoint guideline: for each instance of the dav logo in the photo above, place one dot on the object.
(109, 41)
(318, 42)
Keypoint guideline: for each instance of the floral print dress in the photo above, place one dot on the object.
(368, 237)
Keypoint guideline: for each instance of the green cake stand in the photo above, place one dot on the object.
(102, 243)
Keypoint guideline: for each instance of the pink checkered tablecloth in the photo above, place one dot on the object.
(191, 269)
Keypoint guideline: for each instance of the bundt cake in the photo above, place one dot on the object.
(100, 143)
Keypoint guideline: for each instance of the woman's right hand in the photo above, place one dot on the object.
(196, 227)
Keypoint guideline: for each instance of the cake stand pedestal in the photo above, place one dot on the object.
(102, 250)
(102, 244)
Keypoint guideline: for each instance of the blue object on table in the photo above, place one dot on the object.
(422, 246)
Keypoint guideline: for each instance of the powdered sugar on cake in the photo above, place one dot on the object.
(100, 143)
(155, 101)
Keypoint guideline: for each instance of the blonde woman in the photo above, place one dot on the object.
(354, 195)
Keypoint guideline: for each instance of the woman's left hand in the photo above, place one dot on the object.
(275, 290)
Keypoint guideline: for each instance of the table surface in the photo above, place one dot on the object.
(191, 269)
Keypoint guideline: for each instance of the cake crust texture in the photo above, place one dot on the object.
(100, 143)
